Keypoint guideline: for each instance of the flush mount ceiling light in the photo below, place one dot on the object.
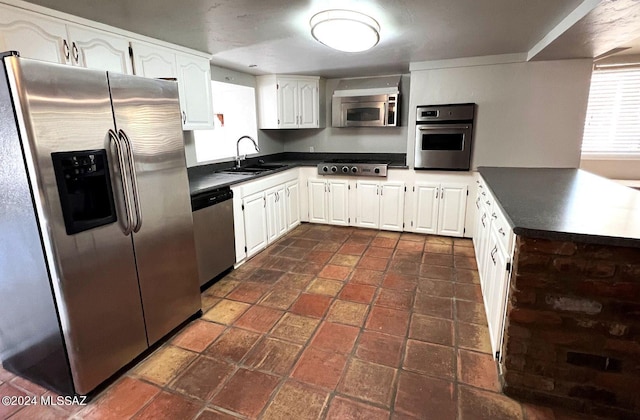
(345, 30)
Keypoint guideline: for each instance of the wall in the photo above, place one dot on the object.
(269, 142)
(359, 139)
(613, 168)
(529, 114)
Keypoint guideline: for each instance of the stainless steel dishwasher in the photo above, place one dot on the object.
(213, 232)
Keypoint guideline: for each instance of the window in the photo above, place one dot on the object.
(234, 108)
(612, 125)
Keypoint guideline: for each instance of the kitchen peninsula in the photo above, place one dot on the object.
(571, 326)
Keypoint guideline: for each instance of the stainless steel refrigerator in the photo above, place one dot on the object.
(97, 256)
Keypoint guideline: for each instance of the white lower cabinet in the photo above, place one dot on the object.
(328, 201)
(380, 205)
(439, 208)
(255, 222)
(276, 212)
(292, 200)
(267, 209)
(493, 243)
(497, 280)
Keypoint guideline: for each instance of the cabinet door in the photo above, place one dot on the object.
(292, 201)
(425, 208)
(338, 192)
(33, 36)
(308, 108)
(496, 289)
(154, 62)
(477, 226)
(368, 204)
(272, 215)
(391, 205)
(255, 223)
(483, 244)
(452, 209)
(287, 103)
(281, 210)
(194, 86)
(318, 201)
(99, 50)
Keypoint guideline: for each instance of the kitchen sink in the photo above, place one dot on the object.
(253, 169)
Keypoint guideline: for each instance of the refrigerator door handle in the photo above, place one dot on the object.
(134, 180)
(128, 228)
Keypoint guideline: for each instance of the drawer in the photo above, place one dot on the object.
(503, 231)
(484, 199)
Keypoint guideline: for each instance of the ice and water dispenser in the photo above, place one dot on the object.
(85, 189)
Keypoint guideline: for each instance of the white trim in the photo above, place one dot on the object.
(485, 60)
(569, 21)
(132, 36)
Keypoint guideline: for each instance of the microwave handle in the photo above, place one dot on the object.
(443, 127)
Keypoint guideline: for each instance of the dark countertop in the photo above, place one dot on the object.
(566, 204)
(208, 177)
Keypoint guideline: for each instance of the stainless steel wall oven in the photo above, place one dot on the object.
(444, 136)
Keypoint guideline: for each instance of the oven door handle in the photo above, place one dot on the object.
(426, 127)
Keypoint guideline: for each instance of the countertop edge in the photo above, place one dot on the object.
(557, 235)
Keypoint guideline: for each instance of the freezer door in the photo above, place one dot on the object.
(93, 276)
(147, 115)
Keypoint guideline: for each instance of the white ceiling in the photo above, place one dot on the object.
(274, 35)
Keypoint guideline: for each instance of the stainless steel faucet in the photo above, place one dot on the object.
(238, 159)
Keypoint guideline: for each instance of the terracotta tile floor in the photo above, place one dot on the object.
(329, 322)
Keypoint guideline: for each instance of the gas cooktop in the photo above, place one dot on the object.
(359, 167)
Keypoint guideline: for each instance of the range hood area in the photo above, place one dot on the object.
(368, 86)
(366, 102)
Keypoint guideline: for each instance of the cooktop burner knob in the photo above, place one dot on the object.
(334, 169)
(345, 169)
(376, 170)
(354, 169)
(325, 169)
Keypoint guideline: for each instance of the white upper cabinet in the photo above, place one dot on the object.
(154, 62)
(99, 50)
(194, 85)
(288, 102)
(308, 103)
(33, 36)
(192, 73)
(60, 40)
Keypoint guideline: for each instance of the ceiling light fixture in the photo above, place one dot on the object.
(345, 30)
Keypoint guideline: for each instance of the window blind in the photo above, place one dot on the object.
(612, 124)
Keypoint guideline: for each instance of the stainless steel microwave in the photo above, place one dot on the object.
(365, 111)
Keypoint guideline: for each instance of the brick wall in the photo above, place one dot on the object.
(572, 336)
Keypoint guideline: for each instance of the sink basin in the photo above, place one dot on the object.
(253, 169)
(246, 170)
(267, 166)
